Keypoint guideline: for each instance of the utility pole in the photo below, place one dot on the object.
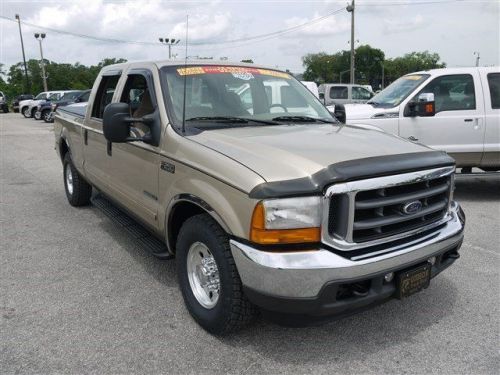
(169, 42)
(350, 8)
(40, 38)
(383, 73)
(477, 58)
(28, 86)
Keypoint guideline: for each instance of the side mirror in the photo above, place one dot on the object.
(425, 106)
(321, 97)
(339, 113)
(116, 124)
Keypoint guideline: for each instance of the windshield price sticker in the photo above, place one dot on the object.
(239, 72)
(412, 78)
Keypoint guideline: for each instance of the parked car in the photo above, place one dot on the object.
(340, 93)
(312, 86)
(28, 107)
(292, 213)
(53, 97)
(4, 106)
(18, 99)
(466, 118)
(46, 110)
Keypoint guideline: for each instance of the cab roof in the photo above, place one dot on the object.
(162, 63)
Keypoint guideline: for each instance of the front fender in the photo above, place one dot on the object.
(229, 207)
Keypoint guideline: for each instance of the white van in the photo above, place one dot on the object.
(466, 123)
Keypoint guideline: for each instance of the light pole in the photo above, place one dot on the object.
(350, 8)
(28, 88)
(341, 73)
(477, 58)
(40, 38)
(169, 42)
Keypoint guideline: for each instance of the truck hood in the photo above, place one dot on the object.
(365, 111)
(286, 152)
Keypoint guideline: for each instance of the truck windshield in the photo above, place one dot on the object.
(398, 91)
(71, 95)
(225, 96)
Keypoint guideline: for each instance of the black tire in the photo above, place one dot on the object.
(5, 109)
(46, 115)
(33, 111)
(81, 191)
(26, 112)
(232, 310)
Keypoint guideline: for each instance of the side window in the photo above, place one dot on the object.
(360, 93)
(137, 95)
(452, 92)
(84, 97)
(494, 84)
(338, 92)
(104, 94)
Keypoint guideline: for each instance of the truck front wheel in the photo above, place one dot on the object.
(208, 278)
(78, 191)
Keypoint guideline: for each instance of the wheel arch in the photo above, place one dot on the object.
(181, 208)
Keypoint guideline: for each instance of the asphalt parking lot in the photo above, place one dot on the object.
(79, 295)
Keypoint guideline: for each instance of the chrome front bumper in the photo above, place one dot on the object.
(303, 274)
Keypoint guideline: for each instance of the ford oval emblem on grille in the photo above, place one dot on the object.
(411, 207)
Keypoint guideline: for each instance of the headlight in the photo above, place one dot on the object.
(53, 106)
(285, 221)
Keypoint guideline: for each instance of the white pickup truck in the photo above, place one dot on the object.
(465, 122)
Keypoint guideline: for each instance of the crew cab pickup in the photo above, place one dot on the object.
(264, 204)
(465, 122)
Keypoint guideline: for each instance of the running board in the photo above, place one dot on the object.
(120, 218)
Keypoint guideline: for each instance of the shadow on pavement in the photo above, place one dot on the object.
(477, 188)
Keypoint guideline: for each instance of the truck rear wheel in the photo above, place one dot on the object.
(78, 191)
(208, 278)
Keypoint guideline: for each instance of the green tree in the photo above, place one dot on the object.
(412, 62)
(322, 67)
(59, 76)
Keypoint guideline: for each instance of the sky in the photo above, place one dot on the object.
(453, 28)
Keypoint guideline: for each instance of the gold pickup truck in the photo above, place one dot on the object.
(263, 197)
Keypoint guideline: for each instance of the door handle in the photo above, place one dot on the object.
(468, 120)
(412, 138)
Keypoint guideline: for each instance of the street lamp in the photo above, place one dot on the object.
(169, 42)
(40, 38)
(477, 57)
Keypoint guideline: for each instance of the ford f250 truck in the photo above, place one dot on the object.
(264, 204)
(465, 122)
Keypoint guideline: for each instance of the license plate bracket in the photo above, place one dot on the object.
(413, 280)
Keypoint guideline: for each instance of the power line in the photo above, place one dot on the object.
(260, 37)
(431, 2)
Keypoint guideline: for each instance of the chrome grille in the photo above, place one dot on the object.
(367, 212)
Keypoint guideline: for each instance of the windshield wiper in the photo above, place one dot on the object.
(303, 119)
(231, 119)
(217, 119)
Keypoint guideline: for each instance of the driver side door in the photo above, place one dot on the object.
(134, 166)
(458, 125)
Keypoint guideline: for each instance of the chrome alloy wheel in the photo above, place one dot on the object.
(69, 179)
(203, 275)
